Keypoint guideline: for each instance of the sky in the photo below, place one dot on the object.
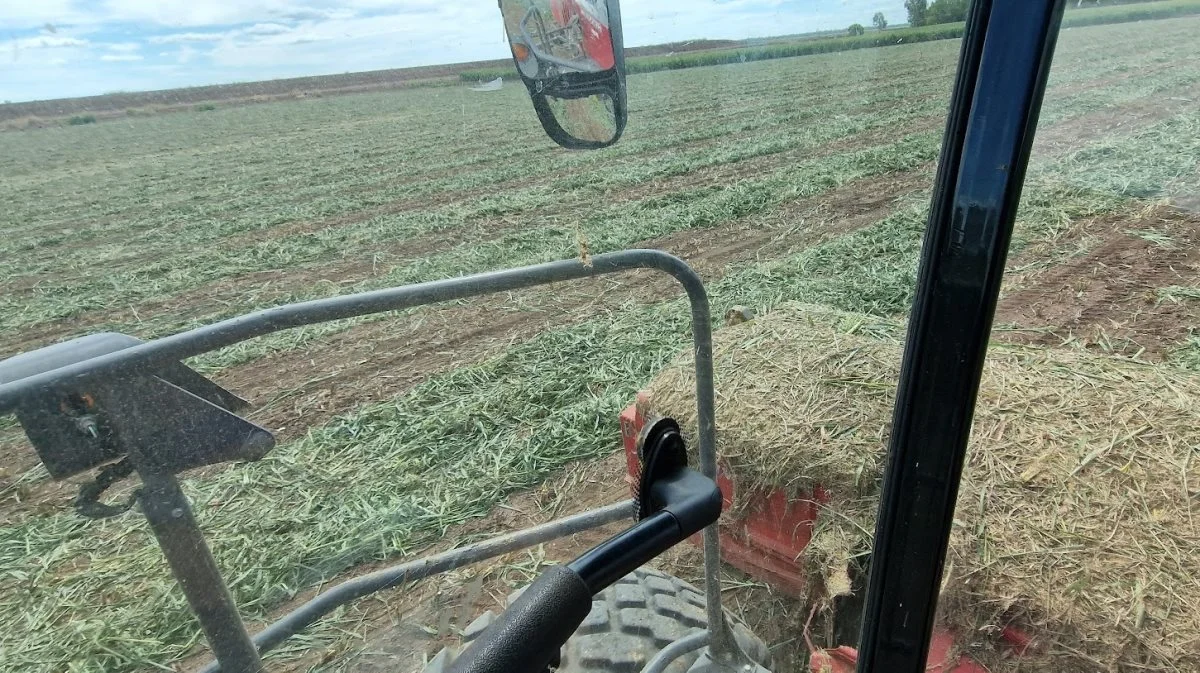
(62, 48)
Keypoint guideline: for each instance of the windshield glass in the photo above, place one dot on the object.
(166, 166)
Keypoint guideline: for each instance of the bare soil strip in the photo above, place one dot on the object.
(1109, 298)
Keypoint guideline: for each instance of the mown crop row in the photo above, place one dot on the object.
(95, 232)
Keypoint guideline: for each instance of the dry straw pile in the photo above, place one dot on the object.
(1077, 518)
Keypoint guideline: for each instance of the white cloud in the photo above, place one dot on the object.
(267, 29)
(197, 13)
(311, 14)
(190, 13)
(117, 58)
(123, 47)
(44, 42)
(22, 58)
(26, 14)
(443, 33)
(186, 53)
(396, 6)
(180, 38)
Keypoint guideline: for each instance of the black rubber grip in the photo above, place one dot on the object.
(533, 629)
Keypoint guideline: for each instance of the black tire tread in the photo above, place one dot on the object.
(630, 622)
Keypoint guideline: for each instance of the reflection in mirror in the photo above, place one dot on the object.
(552, 37)
(592, 118)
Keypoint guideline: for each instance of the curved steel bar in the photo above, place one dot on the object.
(234, 330)
(667, 655)
(328, 601)
(148, 357)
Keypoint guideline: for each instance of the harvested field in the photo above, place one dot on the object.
(802, 179)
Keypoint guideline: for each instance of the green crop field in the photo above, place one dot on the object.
(800, 178)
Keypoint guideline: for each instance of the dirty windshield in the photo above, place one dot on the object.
(168, 166)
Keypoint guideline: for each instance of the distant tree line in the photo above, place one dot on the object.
(878, 20)
(922, 13)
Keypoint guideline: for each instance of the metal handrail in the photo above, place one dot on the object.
(353, 589)
(151, 356)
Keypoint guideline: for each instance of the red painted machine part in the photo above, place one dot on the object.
(766, 540)
(843, 659)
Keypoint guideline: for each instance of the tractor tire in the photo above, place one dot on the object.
(630, 622)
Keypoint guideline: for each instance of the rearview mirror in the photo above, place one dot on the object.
(569, 54)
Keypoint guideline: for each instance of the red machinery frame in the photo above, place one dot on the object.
(766, 539)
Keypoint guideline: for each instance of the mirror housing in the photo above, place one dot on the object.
(570, 55)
